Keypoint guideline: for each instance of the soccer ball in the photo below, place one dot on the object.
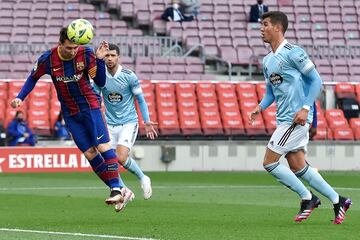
(80, 31)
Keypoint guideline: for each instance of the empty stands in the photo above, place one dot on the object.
(189, 109)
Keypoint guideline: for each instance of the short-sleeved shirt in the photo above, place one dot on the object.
(118, 94)
(285, 72)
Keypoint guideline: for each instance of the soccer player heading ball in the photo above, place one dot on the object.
(293, 83)
(70, 67)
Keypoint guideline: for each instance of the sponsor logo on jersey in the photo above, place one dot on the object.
(115, 97)
(275, 79)
(74, 78)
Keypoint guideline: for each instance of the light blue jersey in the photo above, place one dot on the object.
(284, 73)
(118, 94)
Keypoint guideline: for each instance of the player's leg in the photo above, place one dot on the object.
(80, 128)
(126, 135)
(275, 149)
(113, 142)
(303, 170)
(283, 174)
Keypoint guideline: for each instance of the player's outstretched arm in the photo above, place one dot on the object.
(150, 130)
(149, 125)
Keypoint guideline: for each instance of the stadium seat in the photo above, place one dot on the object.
(343, 133)
(2, 109)
(257, 128)
(354, 123)
(345, 90)
(357, 133)
(248, 104)
(332, 113)
(260, 90)
(3, 90)
(337, 122)
(189, 118)
(323, 134)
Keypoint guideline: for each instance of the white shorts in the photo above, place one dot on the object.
(124, 135)
(287, 138)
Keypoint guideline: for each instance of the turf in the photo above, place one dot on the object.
(235, 205)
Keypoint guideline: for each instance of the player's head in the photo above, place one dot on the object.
(19, 115)
(273, 25)
(112, 57)
(67, 48)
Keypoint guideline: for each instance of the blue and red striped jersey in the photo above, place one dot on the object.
(71, 78)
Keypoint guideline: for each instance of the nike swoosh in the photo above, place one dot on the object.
(98, 138)
(56, 69)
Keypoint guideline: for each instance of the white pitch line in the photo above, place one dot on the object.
(73, 234)
(167, 187)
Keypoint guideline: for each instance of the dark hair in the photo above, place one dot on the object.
(277, 17)
(63, 35)
(18, 112)
(114, 47)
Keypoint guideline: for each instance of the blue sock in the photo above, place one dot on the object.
(285, 176)
(316, 181)
(133, 167)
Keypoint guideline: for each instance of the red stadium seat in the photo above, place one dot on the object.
(337, 122)
(225, 87)
(323, 134)
(245, 87)
(344, 133)
(343, 90)
(40, 123)
(210, 121)
(169, 126)
(184, 87)
(331, 113)
(248, 103)
(260, 90)
(357, 133)
(258, 126)
(321, 122)
(355, 123)
(38, 103)
(189, 120)
(3, 90)
(2, 109)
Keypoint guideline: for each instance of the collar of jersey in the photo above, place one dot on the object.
(61, 57)
(118, 71)
(280, 47)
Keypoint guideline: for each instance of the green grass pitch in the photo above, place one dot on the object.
(198, 205)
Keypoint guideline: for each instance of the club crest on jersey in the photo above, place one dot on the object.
(80, 66)
(115, 97)
(275, 79)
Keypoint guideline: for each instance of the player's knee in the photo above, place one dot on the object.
(122, 156)
(90, 153)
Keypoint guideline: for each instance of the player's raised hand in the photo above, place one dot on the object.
(16, 102)
(254, 113)
(102, 50)
(150, 130)
(301, 117)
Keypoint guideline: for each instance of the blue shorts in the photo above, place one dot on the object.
(87, 128)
